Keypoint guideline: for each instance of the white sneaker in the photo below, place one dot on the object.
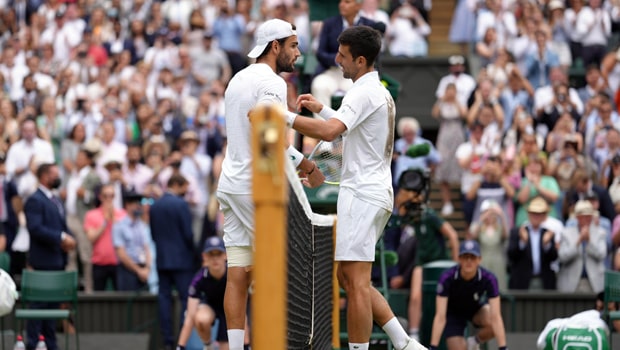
(472, 344)
(414, 345)
(447, 209)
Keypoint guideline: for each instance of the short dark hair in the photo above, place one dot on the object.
(44, 169)
(176, 179)
(362, 41)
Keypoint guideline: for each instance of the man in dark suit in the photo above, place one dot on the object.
(50, 240)
(329, 79)
(532, 250)
(583, 187)
(171, 228)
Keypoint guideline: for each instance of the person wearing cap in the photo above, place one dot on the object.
(366, 200)
(467, 292)
(465, 83)
(276, 51)
(532, 250)
(205, 301)
(328, 78)
(131, 237)
(582, 252)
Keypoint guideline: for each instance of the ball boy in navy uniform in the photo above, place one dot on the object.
(467, 292)
(205, 302)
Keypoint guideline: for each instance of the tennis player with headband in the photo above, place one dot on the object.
(276, 51)
(366, 120)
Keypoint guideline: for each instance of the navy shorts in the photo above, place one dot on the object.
(456, 324)
(222, 329)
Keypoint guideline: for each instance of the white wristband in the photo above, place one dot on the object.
(326, 112)
(295, 155)
(290, 118)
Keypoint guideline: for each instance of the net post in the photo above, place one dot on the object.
(270, 242)
(335, 298)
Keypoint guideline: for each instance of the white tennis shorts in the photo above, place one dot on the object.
(360, 225)
(238, 210)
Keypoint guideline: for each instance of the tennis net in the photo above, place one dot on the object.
(310, 276)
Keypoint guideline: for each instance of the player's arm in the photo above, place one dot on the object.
(326, 130)
(497, 322)
(188, 324)
(439, 322)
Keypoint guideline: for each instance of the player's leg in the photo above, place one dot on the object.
(235, 301)
(415, 302)
(384, 317)
(354, 277)
(482, 320)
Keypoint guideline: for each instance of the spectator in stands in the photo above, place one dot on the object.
(463, 23)
(409, 130)
(531, 251)
(80, 197)
(51, 125)
(464, 82)
(491, 186)
(62, 36)
(538, 64)
(559, 34)
(136, 175)
(593, 29)
(20, 154)
(545, 96)
(594, 84)
(602, 119)
(407, 32)
(491, 231)
(487, 48)
(518, 93)
(487, 110)
(98, 225)
(536, 185)
(229, 29)
(607, 147)
(564, 130)
(131, 237)
(610, 71)
(582, 185)
(502, 20)
(451, 134)
(110, 148)
(170, 223)
(328, 79)
(582, 251)
(10, 204)
(561, 104)
(210, 63)
(570, 24)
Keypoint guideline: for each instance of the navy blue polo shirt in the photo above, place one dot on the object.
(208, 289)
(466, 297)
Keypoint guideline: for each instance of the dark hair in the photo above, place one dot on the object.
(72, 132)
(280, 41)
(362, 41)
(176, 179)
(44, 169)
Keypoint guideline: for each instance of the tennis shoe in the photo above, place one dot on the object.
(414, 345)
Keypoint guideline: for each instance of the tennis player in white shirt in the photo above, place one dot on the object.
(365, 201)
(276, 51)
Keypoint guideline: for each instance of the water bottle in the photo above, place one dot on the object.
(41, 344)
(19, 344)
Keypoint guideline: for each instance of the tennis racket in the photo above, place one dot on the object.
(328, 158)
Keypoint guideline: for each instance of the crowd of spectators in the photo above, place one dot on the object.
(533, 138)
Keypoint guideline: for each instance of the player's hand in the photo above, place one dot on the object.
(315, 179)
(309, 102)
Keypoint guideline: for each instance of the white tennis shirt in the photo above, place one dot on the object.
(368, 111)
(255, 84)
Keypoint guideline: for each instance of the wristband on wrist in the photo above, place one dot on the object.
(290, 118)
(313, 169)
(326, 112)
(295, 155)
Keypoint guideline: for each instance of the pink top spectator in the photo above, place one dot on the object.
(103, 249)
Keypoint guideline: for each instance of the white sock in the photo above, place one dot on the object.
(397, 334)
(236, 338)
(358, 346)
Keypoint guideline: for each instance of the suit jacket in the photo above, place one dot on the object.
(572, 258)
(45, 224)
(521, 265)
(606, 206)
(171, 228)
(328, 41)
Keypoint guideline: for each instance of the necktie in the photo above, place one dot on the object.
(58, 204)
